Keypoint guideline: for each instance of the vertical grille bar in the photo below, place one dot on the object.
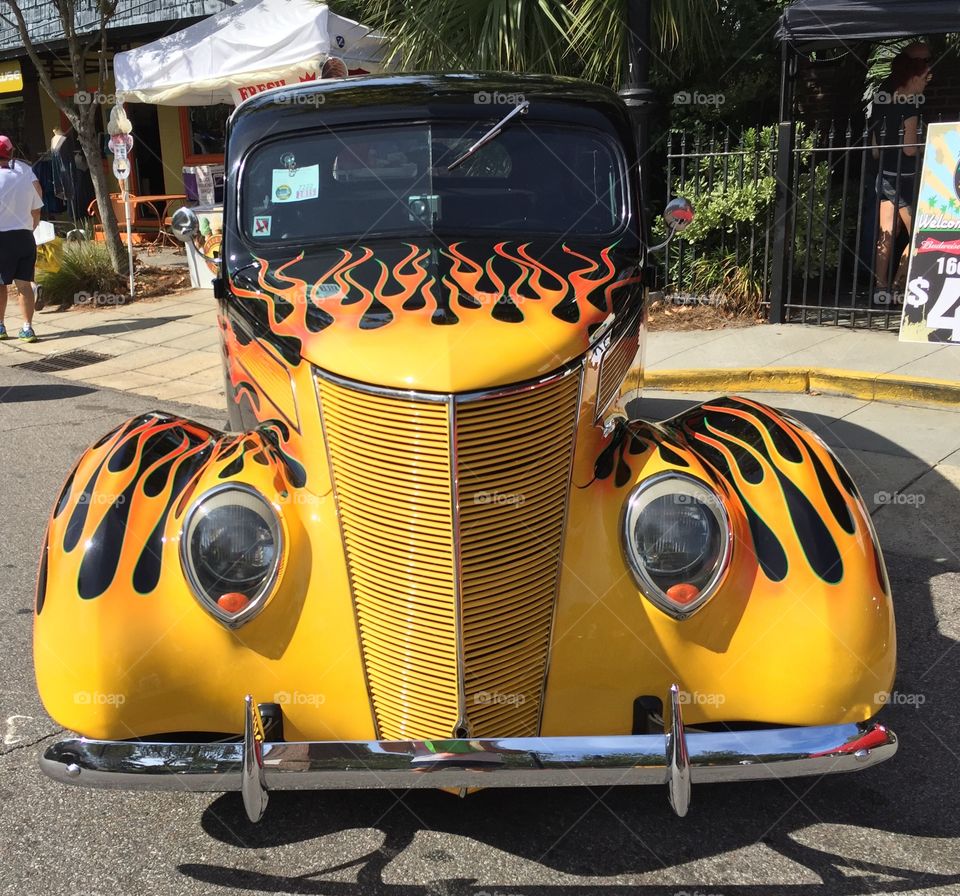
(452, 511)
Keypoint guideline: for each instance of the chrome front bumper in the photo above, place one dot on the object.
(676, 758)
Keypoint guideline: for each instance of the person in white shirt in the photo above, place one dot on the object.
(20, 205)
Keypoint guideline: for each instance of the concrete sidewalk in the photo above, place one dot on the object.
(169, 349)
(795, 358)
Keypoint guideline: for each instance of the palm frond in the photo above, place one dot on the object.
(576, 37)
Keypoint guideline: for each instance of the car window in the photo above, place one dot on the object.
(356, 182)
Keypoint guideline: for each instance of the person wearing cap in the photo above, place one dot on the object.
(20, 205)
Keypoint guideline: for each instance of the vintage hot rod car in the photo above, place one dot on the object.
(435, 549)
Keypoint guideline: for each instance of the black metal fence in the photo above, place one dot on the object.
(829, 222)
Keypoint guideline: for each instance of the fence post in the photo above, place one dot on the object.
(782, 229)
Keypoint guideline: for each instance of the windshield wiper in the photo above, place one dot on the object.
(519, 109)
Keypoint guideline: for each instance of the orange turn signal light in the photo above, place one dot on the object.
(233, 601)
(684, 593)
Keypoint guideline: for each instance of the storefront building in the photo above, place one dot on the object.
(166, 137)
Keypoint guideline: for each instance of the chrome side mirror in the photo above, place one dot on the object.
(185, 225)
(678, 215)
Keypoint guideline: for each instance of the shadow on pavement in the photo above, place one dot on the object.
(127, 325)
(43, 392)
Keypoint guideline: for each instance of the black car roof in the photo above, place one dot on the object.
(371, 99)
(419, 88)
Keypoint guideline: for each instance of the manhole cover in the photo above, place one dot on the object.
(63, 361)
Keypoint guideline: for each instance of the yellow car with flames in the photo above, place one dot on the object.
(435, 548)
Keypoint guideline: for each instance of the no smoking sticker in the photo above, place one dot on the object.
(262, 225)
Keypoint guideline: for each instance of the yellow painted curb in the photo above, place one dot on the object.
(854, 383)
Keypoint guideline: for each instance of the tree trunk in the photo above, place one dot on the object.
(90, 144)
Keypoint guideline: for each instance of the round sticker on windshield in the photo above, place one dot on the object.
(283, 192)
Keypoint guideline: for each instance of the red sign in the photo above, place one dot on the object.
(934, 245)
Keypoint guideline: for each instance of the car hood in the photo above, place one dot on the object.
(445, 317)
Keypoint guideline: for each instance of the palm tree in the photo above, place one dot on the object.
(573, 37)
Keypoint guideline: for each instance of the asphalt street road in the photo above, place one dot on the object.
(892, 829)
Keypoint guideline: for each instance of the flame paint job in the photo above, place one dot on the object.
(482, 314)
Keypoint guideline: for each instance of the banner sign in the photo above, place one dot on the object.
(931, 305)
(247, 85)
(11, 78)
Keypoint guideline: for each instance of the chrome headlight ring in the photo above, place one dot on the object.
(677, 539)
(231, 551)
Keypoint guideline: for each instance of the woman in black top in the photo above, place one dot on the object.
(892, 112)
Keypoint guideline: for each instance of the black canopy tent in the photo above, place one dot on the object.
(808, 25)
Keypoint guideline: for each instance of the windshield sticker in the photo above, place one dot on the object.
(296, 185)
(261, 225)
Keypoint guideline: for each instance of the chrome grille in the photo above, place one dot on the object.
(615, 364)
(452, 511)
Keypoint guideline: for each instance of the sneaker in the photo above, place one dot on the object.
(26, 334)
(3, 332)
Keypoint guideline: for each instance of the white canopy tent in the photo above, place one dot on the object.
(247, 48)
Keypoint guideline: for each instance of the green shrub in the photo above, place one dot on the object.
(84, 268)
(727, 283)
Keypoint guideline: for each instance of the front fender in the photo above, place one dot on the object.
(121, 646)
(801, 630)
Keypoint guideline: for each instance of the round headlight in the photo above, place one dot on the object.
(676, 540)
(230, 550)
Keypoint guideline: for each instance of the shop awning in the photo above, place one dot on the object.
(813, 23)
(247, 48)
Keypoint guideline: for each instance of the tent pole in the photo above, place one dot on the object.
(782, 221)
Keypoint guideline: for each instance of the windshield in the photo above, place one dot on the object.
(395, 180)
